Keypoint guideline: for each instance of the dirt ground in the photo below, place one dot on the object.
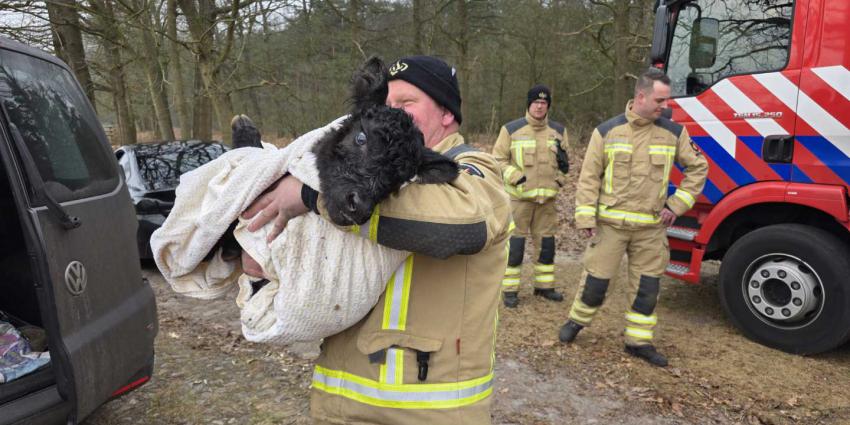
(206, 373)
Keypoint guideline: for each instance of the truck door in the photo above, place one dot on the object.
(822, 153)
(81, 227)
(735, 71)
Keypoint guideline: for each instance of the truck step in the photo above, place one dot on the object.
(677, 269)
(682, 233)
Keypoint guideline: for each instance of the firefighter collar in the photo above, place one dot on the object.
(449, 142)
(537, 124)
(634, 118)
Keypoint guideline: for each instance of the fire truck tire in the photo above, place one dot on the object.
(786, 286)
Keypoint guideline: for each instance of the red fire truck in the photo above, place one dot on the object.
(763, 88)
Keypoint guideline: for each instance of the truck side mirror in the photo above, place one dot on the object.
(704, 37)
(658, 52)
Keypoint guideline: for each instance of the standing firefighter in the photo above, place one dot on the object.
(425, 353)
(622, 205)
(532, 153)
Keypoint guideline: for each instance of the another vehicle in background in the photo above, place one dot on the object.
(152, 172)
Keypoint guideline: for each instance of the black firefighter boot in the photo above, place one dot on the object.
(648, 353)
(510, 299)
(550, 294)
(569, 331)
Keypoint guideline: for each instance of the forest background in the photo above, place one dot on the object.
(180, 69)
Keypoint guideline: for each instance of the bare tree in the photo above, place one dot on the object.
(68, 41)
(111, 39)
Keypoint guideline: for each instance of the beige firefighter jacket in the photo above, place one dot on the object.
(424, 354)
(528, 147)
(626, 170)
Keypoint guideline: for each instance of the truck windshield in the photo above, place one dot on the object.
(736, 37)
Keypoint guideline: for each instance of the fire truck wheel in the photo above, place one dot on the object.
(786, 286)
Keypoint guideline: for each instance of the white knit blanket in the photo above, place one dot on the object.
(322, 278)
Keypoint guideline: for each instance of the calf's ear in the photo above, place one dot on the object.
(436, 168)
(369, 84)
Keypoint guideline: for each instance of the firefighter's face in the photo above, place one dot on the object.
(650, 103)
(538, 109)
(434, 121)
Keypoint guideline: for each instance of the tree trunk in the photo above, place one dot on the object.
(202, 117)
(154, 72)
(354, 16)
(68, 41)
(623, 86)
(417, 27)
(462, 43)
(112, 42)
(179, 92)
(202, 21)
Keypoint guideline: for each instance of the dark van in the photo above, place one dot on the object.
(69, 265)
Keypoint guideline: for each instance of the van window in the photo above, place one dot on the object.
(57, 125)
(749, 37)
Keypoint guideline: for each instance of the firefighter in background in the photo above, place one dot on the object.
(622, 205)
(532, 153)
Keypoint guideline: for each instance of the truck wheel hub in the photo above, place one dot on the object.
(782, 288)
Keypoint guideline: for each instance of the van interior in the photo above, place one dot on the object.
(18, 298)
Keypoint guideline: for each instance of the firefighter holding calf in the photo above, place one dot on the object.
(622, 206)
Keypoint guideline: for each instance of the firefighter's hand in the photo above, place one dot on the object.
(521, 180)
(588, 233)
(667, 217)
(281, 204)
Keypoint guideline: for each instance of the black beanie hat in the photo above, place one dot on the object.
(434, 77)
(539, 92)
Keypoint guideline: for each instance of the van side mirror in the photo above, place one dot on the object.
(704, 37)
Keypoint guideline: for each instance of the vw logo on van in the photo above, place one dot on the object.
(75, 277)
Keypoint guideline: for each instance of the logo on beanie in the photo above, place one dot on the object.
(397, 67)
(542, 95)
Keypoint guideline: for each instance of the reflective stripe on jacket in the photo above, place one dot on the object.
(528, 147)
(626, 170)
(426, 324)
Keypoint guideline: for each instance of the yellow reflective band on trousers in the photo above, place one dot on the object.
(511, 277)
(544, 273)
(544, 268)
(392, 371)
(628, 216)
(398, 296)
(581, 313)
(640, 334)
(510, 282)
(402, 396)
(610, 149)
(641, 319)
(685, 197)
(669, 153)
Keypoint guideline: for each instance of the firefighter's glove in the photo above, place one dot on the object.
(521, 180)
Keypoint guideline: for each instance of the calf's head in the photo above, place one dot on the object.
(374, 152)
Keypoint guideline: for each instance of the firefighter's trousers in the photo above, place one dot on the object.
(538, 221)
(648, 253)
